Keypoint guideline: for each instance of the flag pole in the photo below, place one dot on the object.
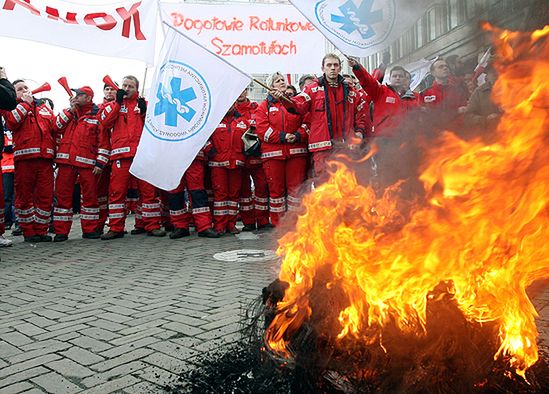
(270, 89)
(206, 49)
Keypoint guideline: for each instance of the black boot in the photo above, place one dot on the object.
(209, 233)
(112, 235)
(60, 237)
(248, 227)
(93, 235)
(179, 233)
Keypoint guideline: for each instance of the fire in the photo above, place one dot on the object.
(481, 231)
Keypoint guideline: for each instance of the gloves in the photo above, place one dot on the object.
(8, 149)
(142, 105)
(120, 93)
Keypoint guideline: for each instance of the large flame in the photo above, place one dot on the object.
(482, 231)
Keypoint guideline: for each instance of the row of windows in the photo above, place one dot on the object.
(436, 22)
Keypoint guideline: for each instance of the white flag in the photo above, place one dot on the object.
(418, 70)
(115, 28)
(191, 91)
(362, 27)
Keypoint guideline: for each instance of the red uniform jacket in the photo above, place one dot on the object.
(247, 109)
(226, 146)
(446, 97)
(315, 101)
(273, 123)
(127, 123)
(84, 142)
(389, 106)
(32, 129)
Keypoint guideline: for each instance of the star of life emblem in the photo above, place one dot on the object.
(360, 23)
(181, 105)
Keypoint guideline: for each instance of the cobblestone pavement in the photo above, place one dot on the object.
(127, 315)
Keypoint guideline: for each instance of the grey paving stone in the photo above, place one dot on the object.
(82, 356)
(122, 359)
(144, 388)
(29, 329)
(7, 350)
(113, 385)
(16, 388)
(55, 383)
(67, 367)
(114, 373)
(23, 376)
(90, 343)
(128, 347)
(16, 338)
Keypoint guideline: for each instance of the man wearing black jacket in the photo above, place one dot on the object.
(7, 102)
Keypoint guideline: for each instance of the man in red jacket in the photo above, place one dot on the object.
(253, 205)
(81, 155)
(109, 94)
(34, 146)
(447, 99)
(335, 110)
(392, 102)
(226, 161)
(126, 117)
(180, 216)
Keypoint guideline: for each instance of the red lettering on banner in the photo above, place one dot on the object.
(107, 24)
(127, 17)
(262, 48)
(10, 5)
(54, 14)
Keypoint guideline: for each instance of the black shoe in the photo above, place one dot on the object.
(248, 227)
(17, 231)
(94, 235)
(60, 237)
(179, 233)
(157, 233)
(33, 238)
(209, 233)
(112, 235)
(137, 231)
(169, 228)
(8, 226)
(45, 238)
(267, 226)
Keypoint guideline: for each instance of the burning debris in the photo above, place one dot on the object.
(386, 293)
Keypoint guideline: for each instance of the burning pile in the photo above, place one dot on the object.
(369, 274)
(389, 293)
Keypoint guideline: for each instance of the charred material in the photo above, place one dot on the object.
(453, 356)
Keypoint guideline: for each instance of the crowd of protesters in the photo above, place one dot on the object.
(254, 167)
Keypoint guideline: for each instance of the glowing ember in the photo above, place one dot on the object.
(481, 229)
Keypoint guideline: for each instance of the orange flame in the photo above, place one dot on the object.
(483, 230)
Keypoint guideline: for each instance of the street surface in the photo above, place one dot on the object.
(127, 315)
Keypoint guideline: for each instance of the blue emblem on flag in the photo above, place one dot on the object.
(174, 102)
(359, 18)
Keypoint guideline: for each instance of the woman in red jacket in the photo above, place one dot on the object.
(283, 151)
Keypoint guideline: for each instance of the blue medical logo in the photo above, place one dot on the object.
(359, 23)
(174, 102)
(182, 103)
(360, 19)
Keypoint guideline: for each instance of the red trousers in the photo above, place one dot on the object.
(254, 205)
(320, 165)
(2, 224)
(193, 180)
(148, 207)
(64, 187)
(226, 188)
(33, 195)
(285, 178)
(103, 196)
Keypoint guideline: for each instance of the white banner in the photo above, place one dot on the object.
(362, 27)
(418, 70)
(125, 29)
(257, 38)
(191, 91)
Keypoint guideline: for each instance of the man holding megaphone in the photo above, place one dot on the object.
(31, 123)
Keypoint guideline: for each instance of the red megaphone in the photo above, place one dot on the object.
(108, 81)
(44, 88)
(63, 82)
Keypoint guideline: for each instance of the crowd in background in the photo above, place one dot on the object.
(255, 167)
